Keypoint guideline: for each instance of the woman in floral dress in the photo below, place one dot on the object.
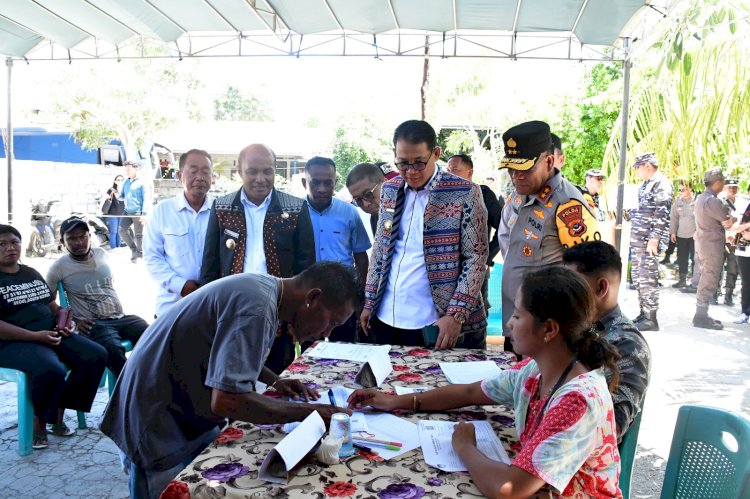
(564, 415)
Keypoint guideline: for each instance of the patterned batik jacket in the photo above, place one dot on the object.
(455, 246)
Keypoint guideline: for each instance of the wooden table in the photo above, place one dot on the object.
(228, 467)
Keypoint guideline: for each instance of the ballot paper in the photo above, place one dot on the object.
(469, 372)
(374, 371)
(384, 426)
(356, 352)
(337, 396)
(282, 459)
(435, 438)
(406, 390)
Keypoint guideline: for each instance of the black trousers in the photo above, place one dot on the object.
(685, 252)
(109, 333)
(744, 264)
(46, 367)
(383, 334)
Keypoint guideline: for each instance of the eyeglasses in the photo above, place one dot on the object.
(368, 195)
(417, 166)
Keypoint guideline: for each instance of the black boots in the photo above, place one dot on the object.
(701, 319)
(681, 283)
(646, 321)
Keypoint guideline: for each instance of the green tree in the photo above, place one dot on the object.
(358, 140)
(233, 106)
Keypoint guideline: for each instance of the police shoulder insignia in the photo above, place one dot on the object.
(571, 216)
(539, 214)
(548, 204)
(544, 193)
(527, 251)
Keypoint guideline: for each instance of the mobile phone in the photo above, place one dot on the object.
(64, 317)
(430, 335)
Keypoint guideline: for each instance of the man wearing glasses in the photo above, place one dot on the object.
(340, 235)
(429, 253)
(543, 216)
(594, 179)
(364, 182)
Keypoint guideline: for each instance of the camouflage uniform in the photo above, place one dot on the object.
(650, 221)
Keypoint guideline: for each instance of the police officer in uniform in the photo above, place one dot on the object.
(649, 228)
(545, 213)
(712, 218)
(594, 179)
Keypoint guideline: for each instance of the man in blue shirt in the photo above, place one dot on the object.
(134, 197)
(340, 235)
(176, 232)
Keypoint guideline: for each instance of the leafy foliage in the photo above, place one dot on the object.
(233, 106)
(358, 140)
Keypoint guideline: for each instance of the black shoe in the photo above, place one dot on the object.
(728, 301)
(639, 317)
(707, 322)
(632, 286)
(689, 289)
(680, 284)
(648, 322)
(664, 260)
(714, 300)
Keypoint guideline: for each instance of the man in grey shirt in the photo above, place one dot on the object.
(682, 229)
(197, 365)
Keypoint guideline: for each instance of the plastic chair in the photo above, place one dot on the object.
(627, 449)
(703, 462)
(26, 410)
(495, 297)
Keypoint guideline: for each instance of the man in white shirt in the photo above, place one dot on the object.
(176, 232)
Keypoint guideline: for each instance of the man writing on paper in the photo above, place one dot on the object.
(198, 363)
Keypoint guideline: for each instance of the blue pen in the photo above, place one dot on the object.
(331, 397)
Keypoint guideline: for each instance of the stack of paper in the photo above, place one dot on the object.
(435, 438)
(388, 427)
(469, 372)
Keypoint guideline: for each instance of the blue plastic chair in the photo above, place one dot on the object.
(703, 463)
(627, 449)
(495, 297)
(26, 410)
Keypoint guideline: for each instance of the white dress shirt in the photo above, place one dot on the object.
(407, 299)
(255, 254)
(173, 246)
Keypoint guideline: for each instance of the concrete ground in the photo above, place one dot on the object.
(689, 366)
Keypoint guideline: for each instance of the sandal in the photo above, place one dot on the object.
(60, 430)
(39, 441)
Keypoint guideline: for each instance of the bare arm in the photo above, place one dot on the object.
(256, 408)
(439, 399)
(14, 333)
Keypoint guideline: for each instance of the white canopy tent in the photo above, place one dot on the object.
(40, 30)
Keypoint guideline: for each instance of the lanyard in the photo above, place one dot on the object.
(557, 386)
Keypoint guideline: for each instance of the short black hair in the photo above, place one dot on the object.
(365, 170)
(184, 156)
(9, 229)
(320, 161)
(556, 143)
(339, 283)
(465, 158)
(415, 132)
(594, 258)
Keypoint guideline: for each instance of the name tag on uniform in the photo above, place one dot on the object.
(231, 233)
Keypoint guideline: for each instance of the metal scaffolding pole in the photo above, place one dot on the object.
(9, 145)
(623, 141)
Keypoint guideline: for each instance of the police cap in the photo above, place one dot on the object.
(730, 181)
(524, 144)
(712, 175)
(649, 157)
(595, 172)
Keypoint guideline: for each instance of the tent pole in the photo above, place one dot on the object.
(9, 145)
(623, 142)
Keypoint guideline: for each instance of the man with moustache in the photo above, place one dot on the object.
(176, 232)
(430, 251)
(543, 216)
(87, 279)
(259, 229)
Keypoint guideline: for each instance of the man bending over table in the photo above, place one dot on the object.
(197, 365)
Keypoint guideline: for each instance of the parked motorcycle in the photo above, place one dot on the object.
(45, 234)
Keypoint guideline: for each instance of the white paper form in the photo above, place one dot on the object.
(340, 394)
(292, 448)
(384, 426)
(376, 368)
(355, 352)
(469, 372)
(435, 438)
(406, 390)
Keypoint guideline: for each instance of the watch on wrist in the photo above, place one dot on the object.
(459, 317)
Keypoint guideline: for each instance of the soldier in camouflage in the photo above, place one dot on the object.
(649, 229)
(712, 218)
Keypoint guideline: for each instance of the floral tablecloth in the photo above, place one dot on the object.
(228, 468)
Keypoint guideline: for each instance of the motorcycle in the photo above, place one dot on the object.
(98, 229)
(45, 233)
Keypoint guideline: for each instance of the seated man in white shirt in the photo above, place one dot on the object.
(176, 232)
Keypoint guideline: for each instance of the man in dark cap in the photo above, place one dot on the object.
(649, 229)
(545, 213)
(712, 218)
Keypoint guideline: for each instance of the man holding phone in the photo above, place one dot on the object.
(429, 253)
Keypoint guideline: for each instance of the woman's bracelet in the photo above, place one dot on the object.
(415, 403)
